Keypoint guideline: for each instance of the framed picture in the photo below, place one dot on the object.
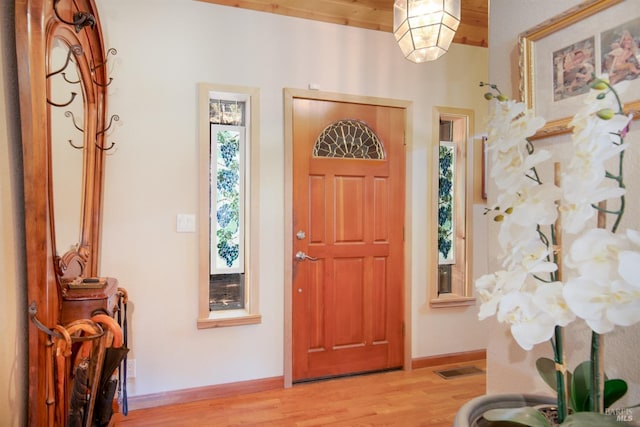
(559, 58)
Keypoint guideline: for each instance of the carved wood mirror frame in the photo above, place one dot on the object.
(39, 23)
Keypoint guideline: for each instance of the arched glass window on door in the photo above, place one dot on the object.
(349, 139)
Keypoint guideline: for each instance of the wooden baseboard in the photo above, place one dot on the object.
(204, 393)
(445, 359)
(273, 383)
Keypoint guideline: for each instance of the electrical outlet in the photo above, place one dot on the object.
(131, 368)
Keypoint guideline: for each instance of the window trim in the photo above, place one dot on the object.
(461, 293)
(250, 314)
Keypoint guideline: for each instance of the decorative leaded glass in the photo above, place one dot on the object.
(350, 139)
(446, 198)
(226, 183)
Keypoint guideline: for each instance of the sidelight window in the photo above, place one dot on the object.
(228, 294)
(451, 285)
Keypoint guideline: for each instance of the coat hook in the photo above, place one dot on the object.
(64, 76)
(80, 19)
(74, 49)
(73, 96)
(111, 51)
(106, 149)
(73, 119)
(101, 84)
(77, 147)
(33, 312)
(115, 117)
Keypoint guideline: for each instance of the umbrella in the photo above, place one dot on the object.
(79, 395)
(104, 409)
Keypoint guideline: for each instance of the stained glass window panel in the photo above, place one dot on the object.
(446, 206)
(227, 224)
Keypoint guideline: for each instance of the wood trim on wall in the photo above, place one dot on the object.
(445, 359)
(204, 393)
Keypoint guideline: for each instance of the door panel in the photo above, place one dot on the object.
(348, 294)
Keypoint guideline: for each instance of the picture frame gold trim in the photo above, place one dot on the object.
(527, 61)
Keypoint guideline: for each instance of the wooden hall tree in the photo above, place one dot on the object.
(73, 337)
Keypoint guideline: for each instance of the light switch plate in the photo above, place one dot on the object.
(186, 223)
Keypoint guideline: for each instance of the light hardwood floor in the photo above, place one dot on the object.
(399, 398)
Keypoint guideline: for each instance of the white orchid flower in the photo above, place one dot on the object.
(491, 288)
(550, 298)
(577, 204)
(595, 101)
(537, 205)
(530, 256)
(508, 168)
(595, 254)
(512, 234)
(529, 324)
(606, 289)
(511, 123)
(603, 304)
(629, 266)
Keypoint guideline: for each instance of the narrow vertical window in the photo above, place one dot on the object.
(446, 206)
(451, 214)
(228, 293)
(446, 203)
(227, 220)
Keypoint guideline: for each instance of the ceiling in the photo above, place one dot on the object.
(370, 14)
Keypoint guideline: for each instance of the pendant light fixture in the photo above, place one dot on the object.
(424, 29)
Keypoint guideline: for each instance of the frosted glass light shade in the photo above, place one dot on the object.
(424, 29)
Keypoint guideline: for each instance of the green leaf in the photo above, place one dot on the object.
(614, 390)
(580, 386)
(591, 419)
(526, 415)
(547, 370)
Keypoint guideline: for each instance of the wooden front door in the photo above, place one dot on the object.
(348, 245)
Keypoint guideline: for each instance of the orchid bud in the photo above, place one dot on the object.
(498, 218)
(488, 96)
(502, 97)
(599, 84)
(509, 211)
(606, 114)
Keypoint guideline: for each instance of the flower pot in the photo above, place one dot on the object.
(470, 414)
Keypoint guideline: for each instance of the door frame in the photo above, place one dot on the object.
(289, 95)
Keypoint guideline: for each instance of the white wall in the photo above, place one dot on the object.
(510, 369)
(13, 309)
(165, 47)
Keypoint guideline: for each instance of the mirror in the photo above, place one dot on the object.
(76, 86)
(66, 120)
